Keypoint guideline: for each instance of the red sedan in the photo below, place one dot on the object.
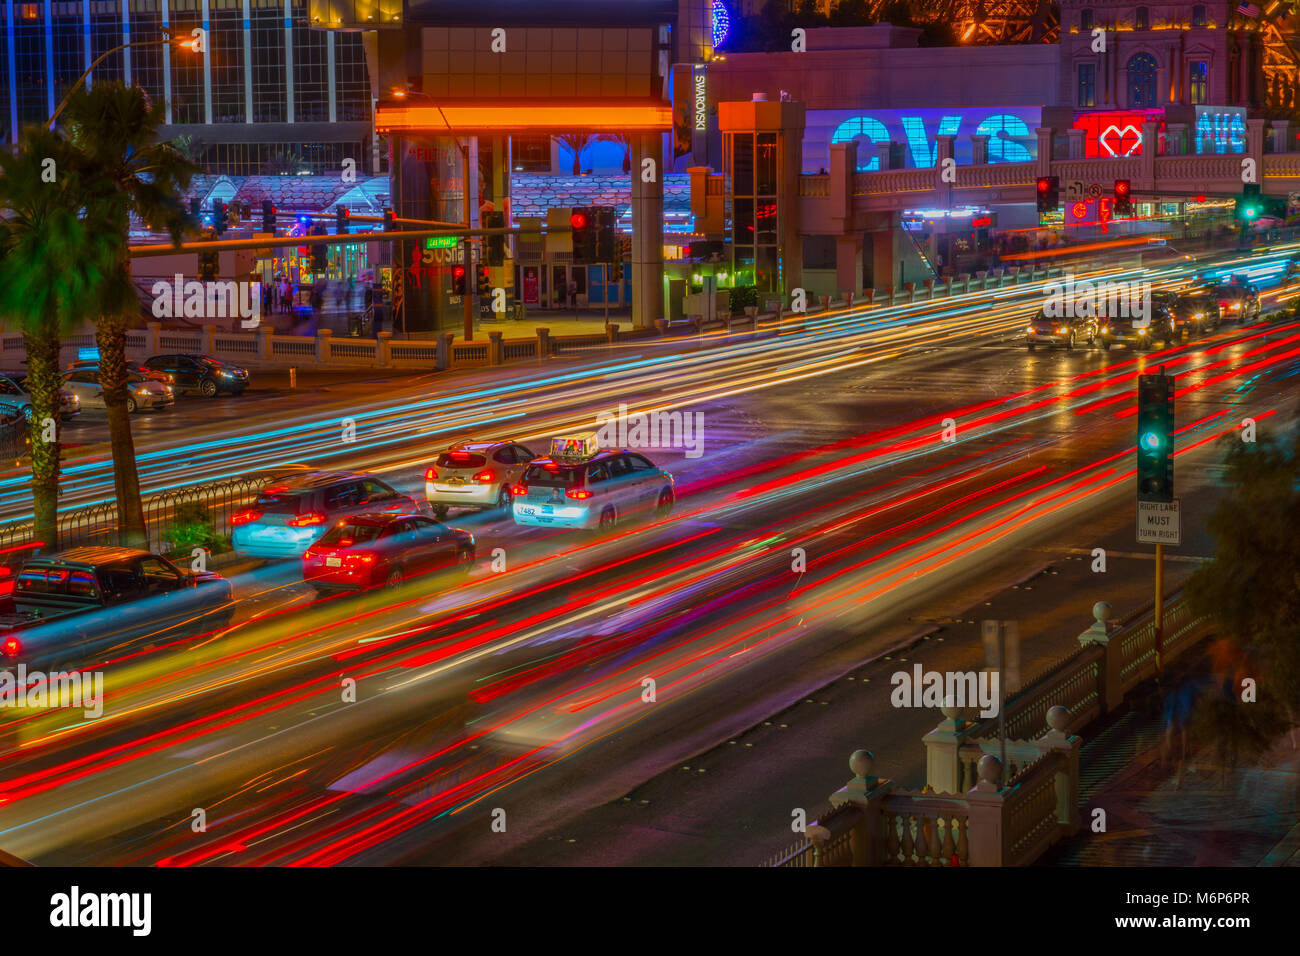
(382, 550)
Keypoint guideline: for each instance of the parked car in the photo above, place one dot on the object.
(135, 368)
(1070, 331)
(141, 392)
(478, 475)
(201, 373)
(13, 394)
(292, 514)
(78, 604)
(377, 549)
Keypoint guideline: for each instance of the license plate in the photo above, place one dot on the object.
(527, 510)
(455, 481)
(334, 562)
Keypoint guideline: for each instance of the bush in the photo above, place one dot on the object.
(742, 296)
(192, 527)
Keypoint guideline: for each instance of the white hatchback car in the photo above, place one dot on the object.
(476, 475)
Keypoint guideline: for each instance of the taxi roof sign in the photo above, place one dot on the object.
(576, 447)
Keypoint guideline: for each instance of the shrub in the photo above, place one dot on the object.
(742, 296)
(192, 527)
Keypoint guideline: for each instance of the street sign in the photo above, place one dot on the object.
(1003, 656)
(1076, 190)
(1158, 522)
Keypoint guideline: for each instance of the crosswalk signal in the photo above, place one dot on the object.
(1049, 193)
(605, 236)
(390, 221)
(583, 223)
(1155, 438)
(458, 280)
(220, 218)
(320, 253)
(341, 216)
(268, 216)
(496, 245)
(1123, 205)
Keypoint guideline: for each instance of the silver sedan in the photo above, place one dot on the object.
(141, 392)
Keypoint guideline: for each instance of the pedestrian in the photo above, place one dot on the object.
(573, 294)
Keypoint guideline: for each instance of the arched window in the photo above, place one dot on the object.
(1142, 81)
(1198, 15)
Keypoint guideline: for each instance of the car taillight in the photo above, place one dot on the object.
(307, 520)
(12, 646)
(519, 490)
(431, 474)
(483, 477)
(358, 557)
(579, 493)
(244, 517)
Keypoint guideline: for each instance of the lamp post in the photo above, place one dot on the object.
(192, 45)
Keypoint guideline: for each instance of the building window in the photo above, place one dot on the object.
(1198, 15)
(531, 154)
(1143, 19)
(1085, 20)
(1087, 84)
(1142, 81)
(1199, 82)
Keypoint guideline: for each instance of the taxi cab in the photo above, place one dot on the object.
(582, 486)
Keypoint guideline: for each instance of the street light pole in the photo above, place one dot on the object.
(98, 60)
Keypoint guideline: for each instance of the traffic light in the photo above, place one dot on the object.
(1155, 438)
(341, 215)
(484, 283)
(458, 280)
(390, 221)
(196, 208)
(320, 253)
(209, 262)
(1123, 205)
(617, 275)
(1049, 193)
(606, 238)
(219, 217)
(496, 245)
(268, 216)
(584, 225)
(1249, 205)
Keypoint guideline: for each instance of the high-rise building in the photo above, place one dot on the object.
(269, 95)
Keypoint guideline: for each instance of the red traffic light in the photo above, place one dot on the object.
(578, 220)
(1044, 184)
(1200, 199)
(458, 272)
(1121, 187)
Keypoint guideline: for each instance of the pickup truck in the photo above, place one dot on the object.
(85, 604)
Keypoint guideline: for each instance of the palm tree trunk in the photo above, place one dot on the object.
(110, 334)
(43, 386)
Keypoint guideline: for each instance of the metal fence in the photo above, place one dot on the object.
(13, 433)
(170, 516)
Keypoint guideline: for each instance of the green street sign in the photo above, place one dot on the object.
(441, 242)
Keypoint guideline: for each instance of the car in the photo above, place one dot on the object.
(1045, 330)
(85, 601)
(383, 549)
(475, 475)
(290, 515)
(581, 486)
(1136, 332)
(11, 562)
(1196, 313)
(14, 394)
(200, 373)
(1237, 301)
(141, 393)
(135, 368)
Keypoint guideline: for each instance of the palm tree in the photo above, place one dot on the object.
(125, 170)
(578, 143)
(626, 142)
(50, 264)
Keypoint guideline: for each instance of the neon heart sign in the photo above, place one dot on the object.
(1118, 133)
(1113, 140)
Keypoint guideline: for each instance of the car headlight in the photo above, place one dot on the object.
(1142, 331)
(1030, 330)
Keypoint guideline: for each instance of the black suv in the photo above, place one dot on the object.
(200, 373)
(1236, 301)
(1196, 312)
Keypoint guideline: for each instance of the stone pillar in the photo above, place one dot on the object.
(942, 763)
(265, 339)
(442, 359)
(151, 338)
(1078, 142)
(868, 792)
(1044, 161)
(883, 151)
(884, 258)
(1282, 136)
(209, 333)
(984, 803)
(384, 350)
(1255, 145)
(1110, 693)
(543, 342)
(1067, 780)
(848, 262)
(322, 345)
(647, 233)
(496, 353)
(979, 149)
(1176, 139)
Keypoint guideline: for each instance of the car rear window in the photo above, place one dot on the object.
(280, 503)
(350, 533)
(461, 459)
(554, 476)
(69, 582)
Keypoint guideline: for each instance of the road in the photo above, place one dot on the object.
(829, 506)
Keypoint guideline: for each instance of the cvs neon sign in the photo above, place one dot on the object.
(1010, 131)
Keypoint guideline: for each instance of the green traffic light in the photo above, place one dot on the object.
(1150, 440)
(1251, 212)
